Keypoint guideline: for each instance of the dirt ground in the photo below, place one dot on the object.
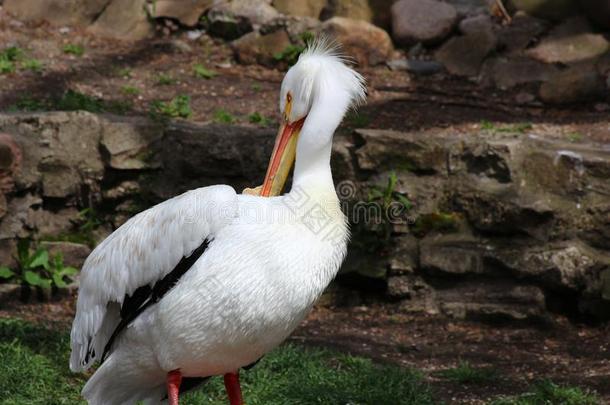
(132, 74)
(519, 354)
(561, 351)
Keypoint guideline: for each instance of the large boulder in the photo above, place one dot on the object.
(509, 72)
(464, 55)
(354, 9)
(368, 44)
(10, 163)
(549, 9)
(255, 47)
(60, 151)
(570, 42)
(188, 12)
(123, 19)
(384, 150)
(522, 31)
(57, 12)
(233, 19)
(302, 8)
(258, 12)
(576, 84)
(425, 21)
(469, 8)
(294, 26)
(129, 144)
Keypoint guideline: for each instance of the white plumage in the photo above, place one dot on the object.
(267, 261)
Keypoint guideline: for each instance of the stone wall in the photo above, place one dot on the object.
(507, 225)
(493, 224)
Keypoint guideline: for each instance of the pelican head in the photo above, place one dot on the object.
(315, 95)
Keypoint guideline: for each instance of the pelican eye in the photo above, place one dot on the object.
(288, 107)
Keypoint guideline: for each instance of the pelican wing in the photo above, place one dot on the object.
(141, 253)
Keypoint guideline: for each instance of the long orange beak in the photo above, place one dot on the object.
(282, 158)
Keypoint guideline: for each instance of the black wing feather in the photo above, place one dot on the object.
(145, 296)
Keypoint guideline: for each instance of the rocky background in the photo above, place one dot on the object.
(556, 50)
(494, 223)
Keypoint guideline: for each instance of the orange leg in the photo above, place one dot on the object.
(174, 378)
(233, 388)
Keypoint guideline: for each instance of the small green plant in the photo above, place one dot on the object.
(120, 107)
(548, 393)
(74, 49)
(165, 80)
(88, 221)
(73, 100)
(202, 72)
(6, 273)
(223, 116)
(259, 119)
(35, 270)
(575, 136)
(384, 207)
(32, 64)
(178, 107)
(290, 54)
(8, 57)
(124, 72)
(6, 66)
(465, 373)
(257, 87)
(388, 195)
(29, 104)
(487, 125)
(519, 128)
(130, 90)
(12, 53)
(307, 37)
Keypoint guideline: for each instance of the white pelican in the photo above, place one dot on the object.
(206, 283)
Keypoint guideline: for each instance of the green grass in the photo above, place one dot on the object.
(34, 366)
(6, 66)
(223, 116)
(202, 72)
(178, 107)
(259, 119)
(72, 100)
(165, 80)
(34, 370)
(123, 72)
(32, 64)
(13, 57)
(290, 54)
(74, 49)
(130, 90)
(549, 393)
(519, 128)
(465, 373)
(8, 57)
(575, 136)
(29, 104)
